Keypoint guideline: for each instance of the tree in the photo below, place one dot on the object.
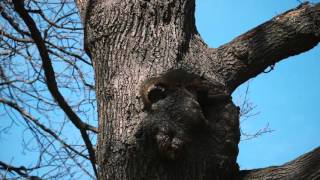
(48, 136)
(163, 96)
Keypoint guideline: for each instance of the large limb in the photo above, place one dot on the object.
(288, 34)
(306, 166)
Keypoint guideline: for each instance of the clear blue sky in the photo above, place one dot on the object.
(287, 98)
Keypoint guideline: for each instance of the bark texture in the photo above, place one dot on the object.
(188, 132)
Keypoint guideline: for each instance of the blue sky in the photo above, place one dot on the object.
(286, 98)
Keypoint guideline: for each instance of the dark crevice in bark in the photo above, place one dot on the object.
(189, 29)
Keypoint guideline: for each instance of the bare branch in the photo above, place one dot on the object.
(69, 53)
(51, 81)
(22, 171)
(12, 22)
(41, 126)
(10, 36)
(246, 136)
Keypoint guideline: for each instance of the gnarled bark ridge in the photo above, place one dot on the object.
(133, 42)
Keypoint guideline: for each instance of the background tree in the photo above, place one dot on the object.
(132, 41)
(50, 102)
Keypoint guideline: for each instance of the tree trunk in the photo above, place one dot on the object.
(190, 128)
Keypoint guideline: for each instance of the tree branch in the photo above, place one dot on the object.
(304, 167)
(288, 34)
(51, 81)
(12, 22)
(22, 171)
(41, 126)
(10, 36)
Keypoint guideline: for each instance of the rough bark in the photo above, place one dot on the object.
(133, 41)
